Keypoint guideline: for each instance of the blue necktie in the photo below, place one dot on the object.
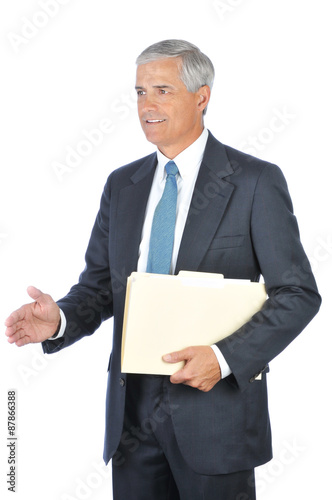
(163, 225)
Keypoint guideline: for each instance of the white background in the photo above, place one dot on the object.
(64, 72)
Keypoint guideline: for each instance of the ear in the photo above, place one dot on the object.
(203, 94)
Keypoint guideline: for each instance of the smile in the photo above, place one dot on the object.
(154, 121)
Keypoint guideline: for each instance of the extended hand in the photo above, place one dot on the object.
(33, 322)
(201, 370)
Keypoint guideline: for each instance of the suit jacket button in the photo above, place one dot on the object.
(122, 382)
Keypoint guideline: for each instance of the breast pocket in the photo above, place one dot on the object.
(227, 242)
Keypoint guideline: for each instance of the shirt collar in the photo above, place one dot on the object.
(188, 161)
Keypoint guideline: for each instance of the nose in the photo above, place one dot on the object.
(148, 103)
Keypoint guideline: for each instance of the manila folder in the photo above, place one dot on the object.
(165, 313)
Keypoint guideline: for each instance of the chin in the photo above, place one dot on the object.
(153, 138)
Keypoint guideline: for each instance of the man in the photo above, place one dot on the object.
(200, 433)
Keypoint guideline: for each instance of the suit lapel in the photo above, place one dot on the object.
(131, 212)
(210, 198)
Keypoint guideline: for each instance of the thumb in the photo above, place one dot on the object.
(175, 357)
(35, 293)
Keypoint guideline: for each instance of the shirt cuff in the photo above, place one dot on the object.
(224, 366)
(63, 324)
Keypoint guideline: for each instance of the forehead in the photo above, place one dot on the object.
(166, 70)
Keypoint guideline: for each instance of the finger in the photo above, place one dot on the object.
(23, 341)
(175, 357)
(20, 313)
(10, 331)
(10, 339)
(14, 332)
(178, 377)
(15, 316)
(15, 336)
(40, 298)
(35, 293)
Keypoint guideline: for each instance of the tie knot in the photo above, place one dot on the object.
(171, 168)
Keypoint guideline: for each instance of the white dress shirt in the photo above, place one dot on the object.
(188, 163)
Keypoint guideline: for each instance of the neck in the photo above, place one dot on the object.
(172, 151)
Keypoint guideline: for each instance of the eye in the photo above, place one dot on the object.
(163, 91)
(140, 92)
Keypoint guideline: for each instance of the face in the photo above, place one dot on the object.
(171, 117)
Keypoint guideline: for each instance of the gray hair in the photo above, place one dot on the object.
(196, 70)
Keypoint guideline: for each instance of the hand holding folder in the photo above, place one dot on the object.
(166, 313)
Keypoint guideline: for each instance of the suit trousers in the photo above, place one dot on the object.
(148, 464)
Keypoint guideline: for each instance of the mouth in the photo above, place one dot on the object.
(153, 122)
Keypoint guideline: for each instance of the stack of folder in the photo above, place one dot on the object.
(165, 313)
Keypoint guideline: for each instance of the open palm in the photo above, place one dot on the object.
(34, 322)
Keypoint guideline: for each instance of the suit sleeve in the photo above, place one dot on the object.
(90, 301)
(293, 298)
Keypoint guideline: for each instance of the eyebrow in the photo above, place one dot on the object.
(156, 87)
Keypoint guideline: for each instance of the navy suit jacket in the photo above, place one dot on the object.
(240, 224)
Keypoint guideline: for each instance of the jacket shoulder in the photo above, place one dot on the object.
(243, 165)
(234, 156)
(125, 172)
